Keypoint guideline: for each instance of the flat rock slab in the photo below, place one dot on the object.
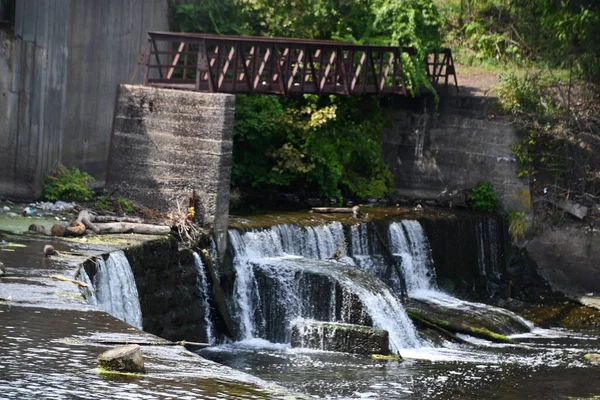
(123, 359)
(346, 338)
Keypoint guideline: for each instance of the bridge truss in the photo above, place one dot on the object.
(238, 64)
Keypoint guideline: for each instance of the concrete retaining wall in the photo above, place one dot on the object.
(58, 78)
(457, 149)
(167, 143)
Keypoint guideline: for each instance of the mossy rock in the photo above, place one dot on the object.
(122, 359)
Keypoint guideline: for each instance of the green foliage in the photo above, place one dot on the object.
(120, 204)
(483, 197)
(326, 146)
(552, 33)
(413, 23)
(125, 205)
(517, 227)
(323, 146)
(525, 95)
(219, 17)
(68, 185)
(103, 202)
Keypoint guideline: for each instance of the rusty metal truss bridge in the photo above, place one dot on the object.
(238, 64)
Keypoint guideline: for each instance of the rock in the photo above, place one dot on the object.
(48, 250)
(58, 230)
(453, 198)
(576, 210)
(1, 269)
(37, 228)
(593, 358)
(345, 338)
(123, 359)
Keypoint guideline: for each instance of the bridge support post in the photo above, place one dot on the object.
(167, 143)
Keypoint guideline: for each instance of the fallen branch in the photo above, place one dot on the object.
(127, 227)
(112, 218)
(65, 279)
(87, 219)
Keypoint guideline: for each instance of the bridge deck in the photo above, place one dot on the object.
(241, 64)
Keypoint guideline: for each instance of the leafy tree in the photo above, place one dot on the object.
(325, 146)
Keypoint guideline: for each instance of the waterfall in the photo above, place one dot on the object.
(409, 243)
(116, 292)
(202, 282)
(487, 254)
(88, 292)
(284, 273)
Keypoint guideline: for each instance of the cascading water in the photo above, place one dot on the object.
(88, 291)
(282, 273)
(408, 241)
(115, 289)
(487, 255)
(202, 283)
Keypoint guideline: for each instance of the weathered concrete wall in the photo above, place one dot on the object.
(569, 258)
(167, 143)
(58, 78)
(33, 112)
(458, 149)
(105, 40)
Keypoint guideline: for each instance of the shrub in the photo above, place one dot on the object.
(517, 227)
(520, 94)
(68, 184)
(483, 198)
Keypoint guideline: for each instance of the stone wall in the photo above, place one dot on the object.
(456, 150)
(167, 143)
(58, 78)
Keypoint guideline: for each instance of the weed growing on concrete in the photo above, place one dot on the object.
(483, 198)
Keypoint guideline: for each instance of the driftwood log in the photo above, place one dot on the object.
(128, 227)
(112, 224)
(330, 210)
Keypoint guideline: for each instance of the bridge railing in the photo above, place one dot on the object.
(237, 64)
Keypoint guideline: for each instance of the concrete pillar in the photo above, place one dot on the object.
(167, 143)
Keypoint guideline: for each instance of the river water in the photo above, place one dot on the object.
(272, 291)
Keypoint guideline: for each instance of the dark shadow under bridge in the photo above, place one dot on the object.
(239, 64)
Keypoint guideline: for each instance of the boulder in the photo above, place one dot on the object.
(333, 336)
(123, 359)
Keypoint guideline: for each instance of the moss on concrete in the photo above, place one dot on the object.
(453, 328)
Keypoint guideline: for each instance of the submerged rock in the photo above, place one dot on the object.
(123, 359)
(346, 338)
(48, 250)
